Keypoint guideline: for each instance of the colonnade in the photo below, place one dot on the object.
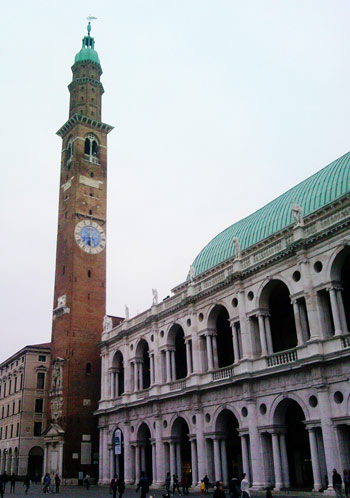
(9, 462)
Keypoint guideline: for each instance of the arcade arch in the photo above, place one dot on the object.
(222, 342)
(340, 276)
(143, 365)
(180, 450)
(118, 453)
(143, 452)
(35, 461)
(176, 340)
(117, 375)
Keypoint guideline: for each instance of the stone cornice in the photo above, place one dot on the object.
(79, 81)
(79, 118)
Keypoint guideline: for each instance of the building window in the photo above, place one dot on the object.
(15, 384)
(89, 273)
(4, 389)
(42, 357)
(40, 381)
(37, 429)
(13, 408)
(3, 412)
(88, 368)
(19, 406)
(90, 211)
(11, 434)
(17, 429)
(6, 432)
(63, 270)
(0, 432)
(39, 403)
(21, 381)
(91, 148)
(8, 410)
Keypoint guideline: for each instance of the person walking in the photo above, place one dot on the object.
(337, 484)
(113, 487)
(234, 488)
(1, 488)
(12, 483)
(346, 480)
(176, 485)
(5, 478)
(26, 484)
(57, 483)
(143, 485)
(219, 491)
(206, 484)
(87, 481)
(167, 483)
(184, 484)
(121, 487)
(245, 486)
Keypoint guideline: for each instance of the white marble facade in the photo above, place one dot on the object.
(245, 368)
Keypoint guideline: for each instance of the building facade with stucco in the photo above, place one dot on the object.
(246, 366)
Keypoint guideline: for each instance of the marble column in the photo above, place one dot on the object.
(235, 343)
(217, 460)
(140, 368)
(160, 456)
(137, 463)
(247, 346)
(173, 365)
(105, 456)
(128, 464)
(201, 447)
(178, 461)
(136, 383)
(45, 460)
(224, 461)
(315, 460)
(298, 328)
(111, 385)
(335, 310)
(172, 460)
(341, 309)
(168, 366)
(188, 358)
(209, 352)
(151, 366)
(284, 460)
(262, 335)
(116, 384)
(215, 351)
(256, 455)
(154, 466)
(245, 456)
(277, 461)
(111, 462)
(194, 463)
(268, 334)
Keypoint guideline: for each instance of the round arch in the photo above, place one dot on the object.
(144, 370)
(35, 462)
(117, 374)
(339, 270)
(143, 456)
(180, 431)
(118, 452)
(176, 339)
(227, 437)
(219, 322)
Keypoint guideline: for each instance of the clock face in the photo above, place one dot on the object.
(90, 237)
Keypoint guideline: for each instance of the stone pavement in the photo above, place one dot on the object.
(36, 491)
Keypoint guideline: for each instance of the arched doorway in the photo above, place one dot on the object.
(340, 274)
(181, 450)
(117, 375)
(218, 321)
(144, 366)
(276, 299)
(227, 454)
(9, 462)
(15, 461)
(294, 445)
(3, 462)
(118, 453)
(35, 462)
(176, 338)
(143, 453)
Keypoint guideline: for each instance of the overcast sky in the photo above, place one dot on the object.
(218, 106)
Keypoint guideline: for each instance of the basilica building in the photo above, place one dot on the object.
(246, 367)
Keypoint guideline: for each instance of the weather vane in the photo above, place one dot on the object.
(90, 18)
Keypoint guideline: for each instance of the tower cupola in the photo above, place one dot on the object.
(88, 52)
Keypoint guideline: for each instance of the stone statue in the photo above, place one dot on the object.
(56, 378)
(155, 296)
(297, 212)
(127, 314)
(107, 323)
(237, 246)
(192, 273)
(61, 301)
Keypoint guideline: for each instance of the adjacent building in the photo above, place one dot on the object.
(246, 366)
(23, 410)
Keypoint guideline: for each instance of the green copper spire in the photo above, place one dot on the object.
(88, 52)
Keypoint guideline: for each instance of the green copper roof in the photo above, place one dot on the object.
(87, 52)
(320, 189)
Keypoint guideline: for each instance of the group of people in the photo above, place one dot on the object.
(47, 481)
(338, 483)
(176, 484)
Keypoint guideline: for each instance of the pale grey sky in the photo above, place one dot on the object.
(218, 107)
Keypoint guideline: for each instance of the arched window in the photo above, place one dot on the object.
(69, 153)
(91, 148)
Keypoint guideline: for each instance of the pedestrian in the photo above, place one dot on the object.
(245, 486)
(143, 485)
(184, 484)
(57, 483)
(337, 484)
(26, 484)
(5, 478)
(87, 481)
(121, 487)
(202, 487)
(36, 478)
(13, 483)
(206, 484)
(1, 488)
(219, 491)
(346, 480)
(268, 493)
(113, 487)
(234, 488)
(167, 483)
(176, 485)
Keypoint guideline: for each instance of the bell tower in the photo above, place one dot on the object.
(80, 281)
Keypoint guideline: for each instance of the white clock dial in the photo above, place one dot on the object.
(90, 236)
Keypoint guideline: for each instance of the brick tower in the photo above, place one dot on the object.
(80, 282)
